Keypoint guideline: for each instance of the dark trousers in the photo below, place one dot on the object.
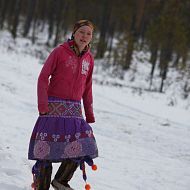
(64, 174)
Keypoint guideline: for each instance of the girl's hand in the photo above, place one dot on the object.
(43, 113)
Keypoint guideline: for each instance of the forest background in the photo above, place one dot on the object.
(159, 27)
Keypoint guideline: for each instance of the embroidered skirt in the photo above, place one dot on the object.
(62, 133)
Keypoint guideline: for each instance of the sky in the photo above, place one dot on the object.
(144, 144)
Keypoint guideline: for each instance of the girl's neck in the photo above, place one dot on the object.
(76, 49)
(80, 49)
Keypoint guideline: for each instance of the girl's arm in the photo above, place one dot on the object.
(88, 98)
(43, 81)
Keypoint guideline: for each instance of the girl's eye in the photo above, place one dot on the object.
(87, 33)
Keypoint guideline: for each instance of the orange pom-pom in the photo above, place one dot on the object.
(87, 186)
(94, 167)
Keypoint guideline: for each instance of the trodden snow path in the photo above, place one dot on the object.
(143, 144)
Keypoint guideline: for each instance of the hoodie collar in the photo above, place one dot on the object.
(74, 47)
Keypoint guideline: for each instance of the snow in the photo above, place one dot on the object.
(144, 144)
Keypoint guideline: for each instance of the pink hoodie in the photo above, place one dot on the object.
(71, 78)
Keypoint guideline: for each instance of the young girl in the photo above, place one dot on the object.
(61, 134)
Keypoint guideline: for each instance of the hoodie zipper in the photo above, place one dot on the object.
(79, 59)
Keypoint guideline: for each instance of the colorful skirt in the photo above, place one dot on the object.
(62, 133)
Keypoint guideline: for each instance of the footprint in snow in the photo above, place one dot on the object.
(10, 172)
(10, 187)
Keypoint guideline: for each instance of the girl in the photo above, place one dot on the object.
(60, 133)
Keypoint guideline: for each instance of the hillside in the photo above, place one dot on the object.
(144, 144)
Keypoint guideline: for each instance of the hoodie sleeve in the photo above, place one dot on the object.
(87, 96)
(43, 81)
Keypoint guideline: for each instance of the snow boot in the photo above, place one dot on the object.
(58, 186)
(64, 175)
(42, 175)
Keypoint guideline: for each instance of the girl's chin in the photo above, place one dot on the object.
(83, 43)
(82, 46)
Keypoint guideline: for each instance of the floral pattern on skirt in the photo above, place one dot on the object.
(62, 133)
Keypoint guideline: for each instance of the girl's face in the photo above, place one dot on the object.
(83, 36)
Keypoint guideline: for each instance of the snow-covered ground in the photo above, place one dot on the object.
(143, 143)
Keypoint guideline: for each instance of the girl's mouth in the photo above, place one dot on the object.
(83, 41)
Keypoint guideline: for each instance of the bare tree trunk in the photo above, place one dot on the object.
(4, 9)
(130, 48)
(16, 18)
(153, 59)
(31, 9)
(34, 29)
(140, 15)
(136, 26)
(102, 44)
(77, 10)
(175, 64)
(43, 13)
(51, 17)
(165, 57)
(59, 6)
(10, 15)
(184, 59)
(111, 37)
